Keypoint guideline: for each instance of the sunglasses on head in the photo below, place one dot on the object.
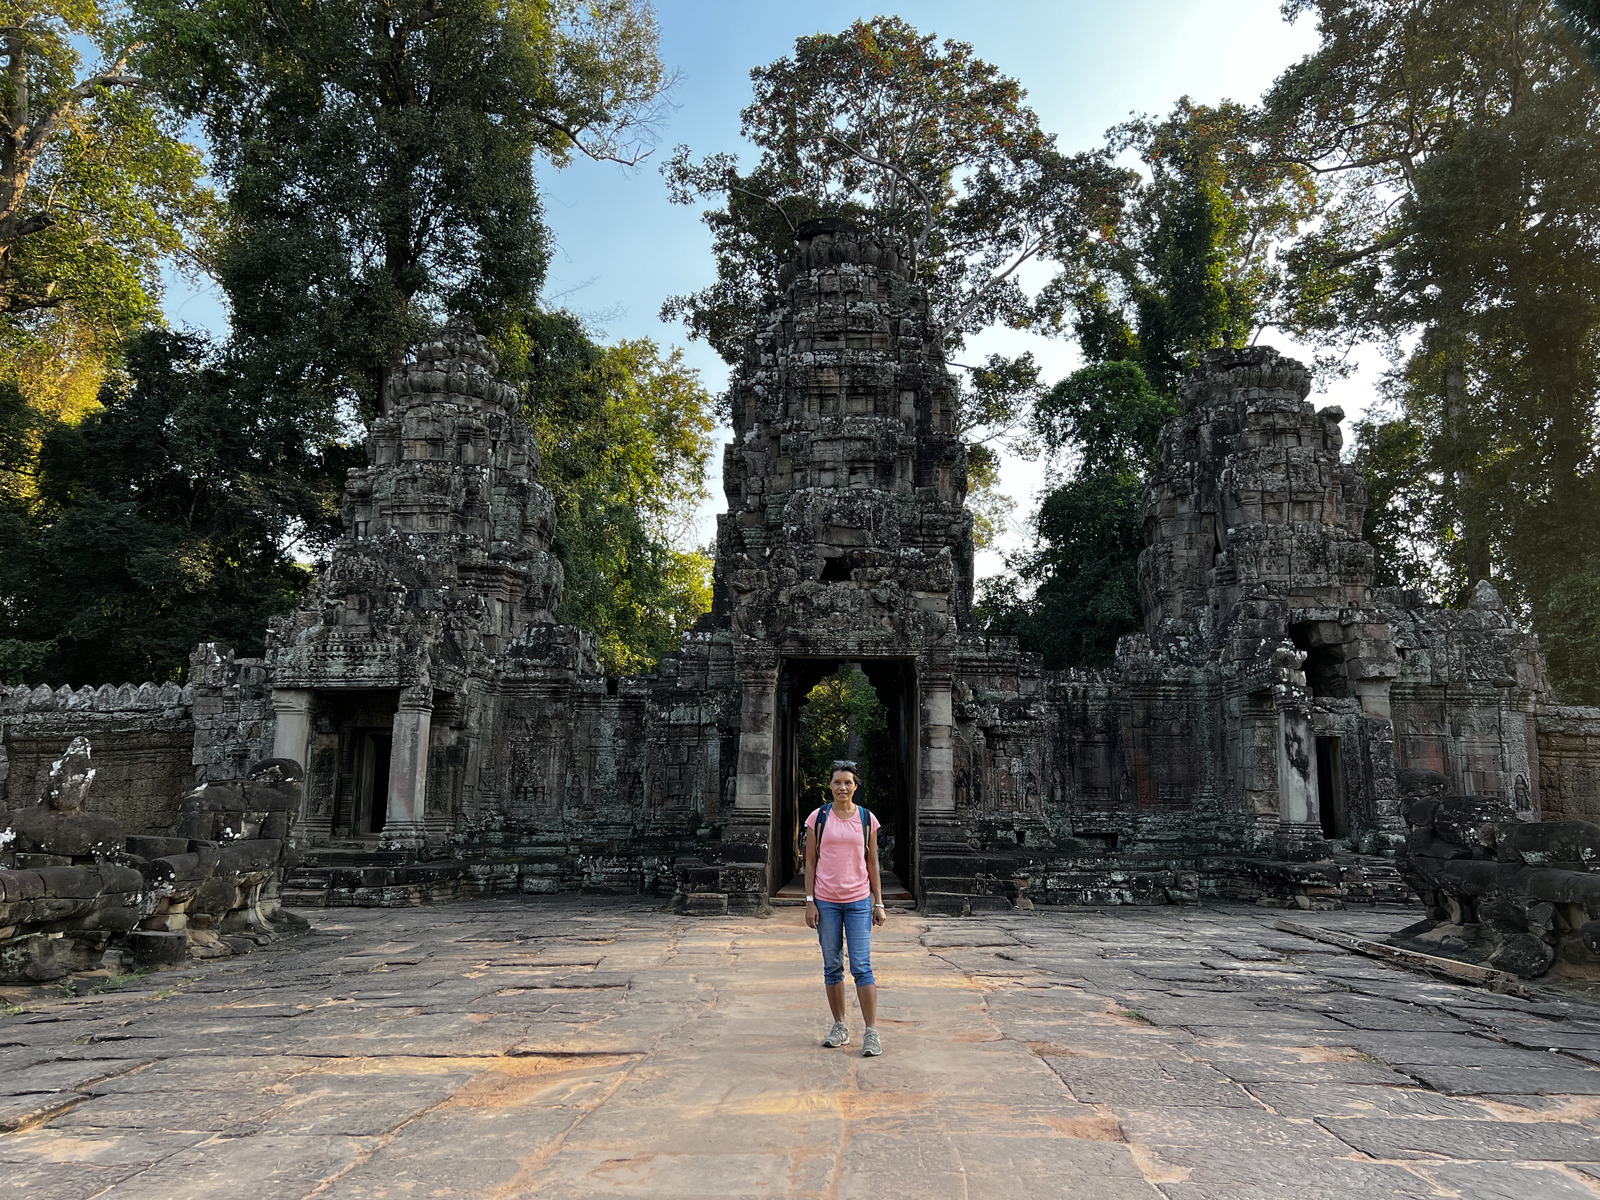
(844, 762)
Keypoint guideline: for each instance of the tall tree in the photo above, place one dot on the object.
(379, 158)
(96, 191)
(170, 514)
(919, 141)
(1188, 264)
(1460, 144)
(1076, 591)
(933, 149)
(625, 433)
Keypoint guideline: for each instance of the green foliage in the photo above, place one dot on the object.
(1108, 413)
(1571, 630)
(164, 519)
(1460, 149)
(96, 190)
(919, 141)
(379, 160)
(991, 509)
(842, 718)
(1404, 500)
(1583, 23)
(1188, 262)
(1083, 570)
(625, 432)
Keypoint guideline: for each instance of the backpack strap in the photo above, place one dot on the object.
(822, 821)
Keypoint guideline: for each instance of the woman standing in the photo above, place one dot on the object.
(844, 900)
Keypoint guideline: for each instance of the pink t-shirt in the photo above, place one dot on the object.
(841, 858)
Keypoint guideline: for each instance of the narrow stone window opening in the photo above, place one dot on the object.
(1330, 788)
(372, 781)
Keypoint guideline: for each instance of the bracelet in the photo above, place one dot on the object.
(880, 906)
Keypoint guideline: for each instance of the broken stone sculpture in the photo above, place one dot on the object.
(1518, 895)
(217, 887)
(69, 889)
(73, 887)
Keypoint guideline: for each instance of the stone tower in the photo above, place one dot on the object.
(1255, 562)
(845, 539)
(443, 564)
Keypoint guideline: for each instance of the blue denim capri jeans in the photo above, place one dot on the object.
(840, 923)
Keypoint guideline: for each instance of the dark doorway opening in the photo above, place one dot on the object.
(372, 781)
(357, 732)
(828, 709)
(1330, 788)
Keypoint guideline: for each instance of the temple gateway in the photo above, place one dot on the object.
(1259, 738)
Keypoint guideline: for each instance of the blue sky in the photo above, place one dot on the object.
(621, 248)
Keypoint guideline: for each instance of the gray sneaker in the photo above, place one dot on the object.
(839, 1035)
(871, 1047)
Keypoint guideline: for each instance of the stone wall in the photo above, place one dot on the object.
(152, 742)
(1465, 702)
(599, 783)
(143, 739)
(1569, 763)
(232, 712)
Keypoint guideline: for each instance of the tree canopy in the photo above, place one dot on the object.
(625, 433)
(379, 158)
(172, 510)
(1459, 151)
(1188, 264)
(376, 163)
(919, 141)
(96, 190)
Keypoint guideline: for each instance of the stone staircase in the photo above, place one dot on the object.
(895, 894)
(957, 881)
(362, 875)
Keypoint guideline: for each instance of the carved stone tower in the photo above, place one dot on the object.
(444, 562)
(1255, 561)
(845, 539)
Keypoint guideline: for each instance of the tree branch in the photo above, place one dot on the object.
(910, 180)
(572, 132)
(793, 228)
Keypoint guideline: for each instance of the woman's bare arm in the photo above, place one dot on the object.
(811, 873)
(875, 879)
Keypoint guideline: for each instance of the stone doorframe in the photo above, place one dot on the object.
(795, 677)
(293, 735)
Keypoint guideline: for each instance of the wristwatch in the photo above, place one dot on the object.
(811, 899)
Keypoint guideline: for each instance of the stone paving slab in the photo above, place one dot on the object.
(576, 1048)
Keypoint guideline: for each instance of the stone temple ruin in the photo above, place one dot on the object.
(1262, 738)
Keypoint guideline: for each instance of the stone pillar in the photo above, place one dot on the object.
(291, 736)
(1299, 814)
(408, 768)
(291, 732)
(757, 707)
(747, 837)
(937, 800)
